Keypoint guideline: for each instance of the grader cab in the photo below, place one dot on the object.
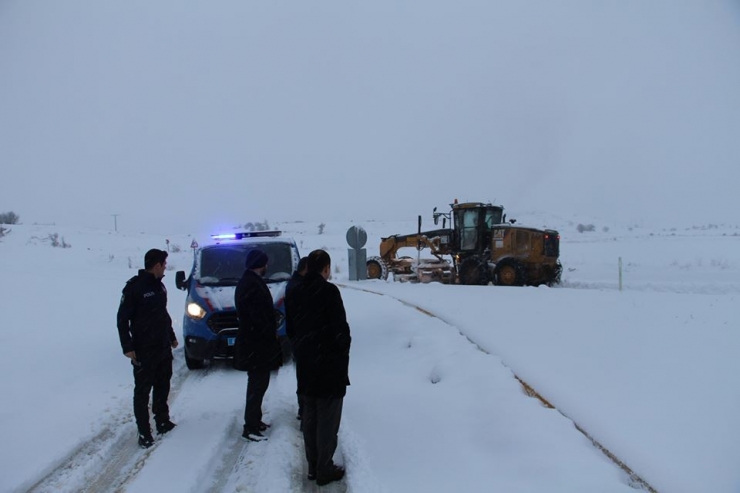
(480, 247)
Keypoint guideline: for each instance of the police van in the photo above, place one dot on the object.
(210, 322)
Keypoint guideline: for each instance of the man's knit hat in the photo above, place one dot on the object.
(256, 259)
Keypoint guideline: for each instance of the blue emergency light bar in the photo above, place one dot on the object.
(246, 234)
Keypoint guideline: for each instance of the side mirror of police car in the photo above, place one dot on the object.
(180, 281)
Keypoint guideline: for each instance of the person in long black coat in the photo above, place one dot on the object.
(257, 349)
(321, 338)
(294, 281)
(297, 277)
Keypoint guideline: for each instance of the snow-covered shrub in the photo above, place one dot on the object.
(265, 226)
(321, 228)
(3, 231)
(720, 264)
(9, 217)
(585, 227)
(56, 242)
(53, 239)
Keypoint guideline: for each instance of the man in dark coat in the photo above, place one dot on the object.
(257, 349)
(296, 279)
(147, 339)
(322, 340)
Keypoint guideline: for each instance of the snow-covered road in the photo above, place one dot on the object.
(446, 416)
(434, 404)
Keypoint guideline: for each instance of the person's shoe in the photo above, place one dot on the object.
(335, 474)
(145, 440)
(253, 436)
(263, 426)
(165, 427)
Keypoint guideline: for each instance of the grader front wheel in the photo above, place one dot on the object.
(376, 268)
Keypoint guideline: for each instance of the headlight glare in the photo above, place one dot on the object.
(194, 310)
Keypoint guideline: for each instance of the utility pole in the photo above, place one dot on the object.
(115, 221)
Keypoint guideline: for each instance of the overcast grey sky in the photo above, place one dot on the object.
(181, 115)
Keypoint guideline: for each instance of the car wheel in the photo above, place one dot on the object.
(287, 350)
(193, 364)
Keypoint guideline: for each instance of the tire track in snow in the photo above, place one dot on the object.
(635, 480)
(224, 465)
(108, 460)
(112, 460)
(279, 463)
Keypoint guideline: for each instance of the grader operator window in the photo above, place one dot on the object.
(469, 233)
(493, 217)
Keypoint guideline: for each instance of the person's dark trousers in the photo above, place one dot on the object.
(154, 378)
(321, 419)
(258, 381)
(298, 396)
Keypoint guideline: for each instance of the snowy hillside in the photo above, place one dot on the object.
(436, 403)
(168, 121)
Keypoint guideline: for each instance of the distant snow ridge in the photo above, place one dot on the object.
(714, 288)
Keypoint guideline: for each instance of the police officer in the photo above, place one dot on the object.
(147, 339)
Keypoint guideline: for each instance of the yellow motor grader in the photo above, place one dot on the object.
(481, 247)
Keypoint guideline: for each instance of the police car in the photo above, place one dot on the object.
(210, 322)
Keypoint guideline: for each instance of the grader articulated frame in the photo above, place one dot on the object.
(482, 248)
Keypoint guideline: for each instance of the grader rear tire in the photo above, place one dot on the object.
(510, 274)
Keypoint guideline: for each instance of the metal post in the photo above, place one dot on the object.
(357, 256)
(194, 246)
(115, 221)
(418, 250)
(620, 273)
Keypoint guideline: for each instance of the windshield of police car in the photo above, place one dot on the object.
(225, 264)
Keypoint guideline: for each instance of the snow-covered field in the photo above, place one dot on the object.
(650, 373)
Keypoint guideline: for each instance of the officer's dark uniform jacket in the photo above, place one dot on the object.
(315, 312)
(257, 346)
(144, 325)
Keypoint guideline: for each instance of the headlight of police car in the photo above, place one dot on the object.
(194, 310)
